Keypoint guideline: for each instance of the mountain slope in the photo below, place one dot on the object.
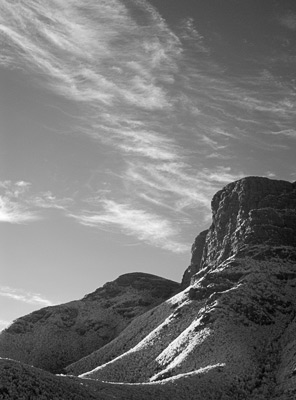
(238, 311)
(23, 382)
(230, 334)
(53, 337)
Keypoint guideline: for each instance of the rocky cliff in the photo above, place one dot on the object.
(230, 334)
(249, 214)
(197, 253)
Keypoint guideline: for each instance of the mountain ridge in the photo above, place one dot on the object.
(229, 332)
(53, 337)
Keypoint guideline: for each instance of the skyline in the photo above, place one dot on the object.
(119, 122)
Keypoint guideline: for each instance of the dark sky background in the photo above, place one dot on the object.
(119, 120)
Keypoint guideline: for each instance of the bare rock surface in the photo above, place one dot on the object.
(249, 212)
(53, 337)
(197, 253)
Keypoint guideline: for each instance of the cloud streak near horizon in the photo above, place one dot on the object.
(153, 94)
(24, 296)
(3, 324)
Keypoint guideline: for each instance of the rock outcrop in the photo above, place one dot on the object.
(230, 334)
(249, 213)
(197, 253)
(54, 337)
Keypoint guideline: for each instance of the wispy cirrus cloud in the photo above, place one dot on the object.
(24, 296)
(73, 44)
(288, 21)
(15, 213)
(169, 189)
(179, 187)
(12, 208)
(48, 200)
(122, 59)
(19, 205)
(139, 223)
(170, 113)
(290, 133)
(145, 143)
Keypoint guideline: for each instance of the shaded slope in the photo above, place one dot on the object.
(53, 337)
(23, 382)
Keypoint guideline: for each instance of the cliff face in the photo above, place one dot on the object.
(54, 337)
(252, 212)
(230, 334)
(197, 253)
(253, 216)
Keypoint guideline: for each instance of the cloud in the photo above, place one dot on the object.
(291, 133)
(48, 200)
(148, 92)
(149, 144)
(12, 209)
(18, 205)
(12, 212)
(24, 297)
(221, 175)
(4, 324)
(145, 226)
(288, 21)
(189, 34)
(74, 44)
(120, 59)
(177, 186)
(271, 175)
(15, 189)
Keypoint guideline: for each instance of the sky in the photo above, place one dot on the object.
(119, 120)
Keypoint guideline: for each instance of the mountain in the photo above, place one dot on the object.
(229, 334)
(53, 337)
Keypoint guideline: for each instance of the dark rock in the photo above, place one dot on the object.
(197, 252)
(249, 212)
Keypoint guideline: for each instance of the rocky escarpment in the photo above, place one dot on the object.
(54, 337)
(230, 334)
(197, 253)
(235, 318)
(250, 215)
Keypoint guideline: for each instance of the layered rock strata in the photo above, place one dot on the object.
(197, 253)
